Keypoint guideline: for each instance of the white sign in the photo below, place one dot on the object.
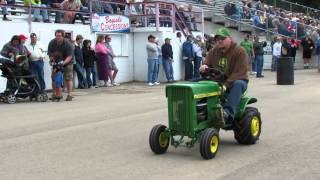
(110, 23)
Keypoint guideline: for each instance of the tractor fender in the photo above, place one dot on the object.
(244, 102)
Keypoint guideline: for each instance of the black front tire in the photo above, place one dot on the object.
(158, 140)
(247, 130)
(209, 143)
(43, 97)
(11, 99)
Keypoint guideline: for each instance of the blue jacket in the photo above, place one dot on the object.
(187, 50)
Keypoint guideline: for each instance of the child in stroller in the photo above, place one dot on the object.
(20, 83)
(57, 69)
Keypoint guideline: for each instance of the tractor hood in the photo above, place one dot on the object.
(199, 89)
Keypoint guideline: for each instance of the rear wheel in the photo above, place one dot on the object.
(158, 140)
(248, 129)
(209, 143)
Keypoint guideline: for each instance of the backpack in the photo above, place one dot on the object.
(230, 9)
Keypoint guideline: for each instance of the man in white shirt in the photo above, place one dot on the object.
(276, 53)
(198, 57)
(37, 59)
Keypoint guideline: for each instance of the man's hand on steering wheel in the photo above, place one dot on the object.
(203, 68)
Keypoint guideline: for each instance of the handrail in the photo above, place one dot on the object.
(297, 4)
(174, 11)
(268, 14)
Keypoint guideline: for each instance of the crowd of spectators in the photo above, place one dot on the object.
(44, 9)
(65, 56)
(280, 21)
(68, 5)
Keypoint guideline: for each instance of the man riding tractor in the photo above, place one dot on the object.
(231, 59)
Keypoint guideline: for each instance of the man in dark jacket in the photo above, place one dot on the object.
(167, 59)
(285, 48)
(78, 67)
(188, 57)
(233, 61)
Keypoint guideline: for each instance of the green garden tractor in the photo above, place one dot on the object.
(195, 112)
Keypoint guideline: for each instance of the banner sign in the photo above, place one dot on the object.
(110, 23)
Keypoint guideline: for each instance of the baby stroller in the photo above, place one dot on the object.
(20, 83)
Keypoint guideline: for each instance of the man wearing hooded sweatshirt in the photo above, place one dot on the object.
(231, 59)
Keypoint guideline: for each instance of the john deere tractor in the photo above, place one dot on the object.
(195, 112)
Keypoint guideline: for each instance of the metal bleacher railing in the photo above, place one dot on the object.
(292, 7)
(149, 14)
(297, 30)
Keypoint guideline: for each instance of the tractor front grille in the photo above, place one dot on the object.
(181, 109)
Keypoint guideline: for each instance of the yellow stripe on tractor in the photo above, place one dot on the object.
(199, 96)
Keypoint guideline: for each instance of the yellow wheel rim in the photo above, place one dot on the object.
(255, 126)
(214, 144)
(163, 140)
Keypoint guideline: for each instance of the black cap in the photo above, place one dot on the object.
(151, 37)
(33, 35)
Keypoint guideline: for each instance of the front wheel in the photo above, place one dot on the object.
(247, 130)
(158, 140)
(43, 97)
(11, 99)
(209, 143)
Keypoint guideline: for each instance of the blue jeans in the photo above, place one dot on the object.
(91, 71)
(236, 90)
(196, 67)
(152, 70)
(44, 12)
(274, 63)
(58, 17)
(4, 10)
(188, 69)
(37, 69)
(168, 69)
(80, 74)
(259, 63)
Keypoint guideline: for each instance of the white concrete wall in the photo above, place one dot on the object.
(45, 33)
(140, 54)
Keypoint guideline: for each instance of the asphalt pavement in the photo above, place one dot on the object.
(103, 134)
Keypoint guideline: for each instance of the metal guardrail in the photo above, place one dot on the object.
(173, 13)
(267, 23)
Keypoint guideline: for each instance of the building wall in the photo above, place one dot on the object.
(45, 32)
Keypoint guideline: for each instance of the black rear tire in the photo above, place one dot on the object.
(247, 130)
(209, 143)
(158, 140)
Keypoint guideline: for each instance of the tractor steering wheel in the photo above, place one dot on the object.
(215, 74)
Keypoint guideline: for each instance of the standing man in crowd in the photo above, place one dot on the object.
(307, 46)
(233, 61)
(276, 53)
(37, 59)
(167, 59)
(188, 57)
(258, 54)
(113, 68)
(197, 47)
(248, 46)
(78, 66)
(64, 47)
(4, 11)
(152, 51)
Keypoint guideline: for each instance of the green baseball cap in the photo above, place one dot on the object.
(223, 32)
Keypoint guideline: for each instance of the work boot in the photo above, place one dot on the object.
(224, 119)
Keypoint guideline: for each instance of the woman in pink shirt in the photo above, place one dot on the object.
(102, 59)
